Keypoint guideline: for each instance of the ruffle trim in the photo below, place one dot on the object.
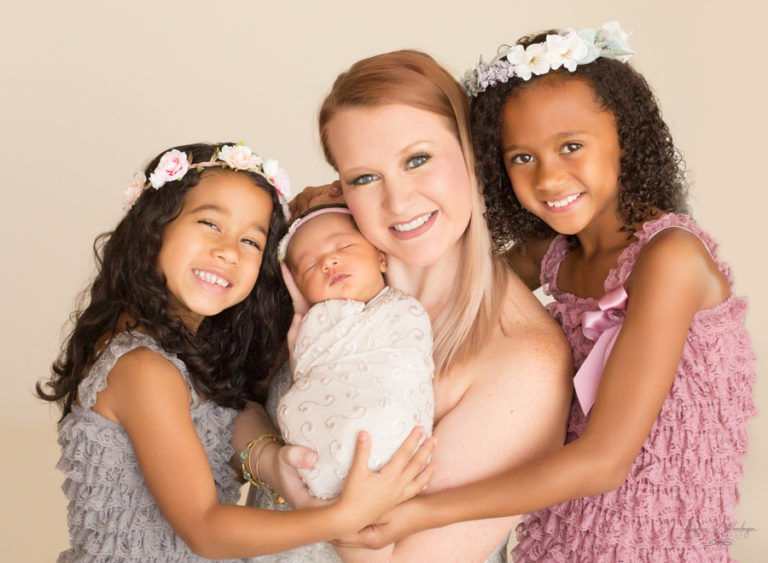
(619, 275)
(570, 307)
(637, 527)
(102, 470)
(111, 511)
(119, 345)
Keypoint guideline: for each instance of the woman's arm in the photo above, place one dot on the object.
(510, 405)
(673, 278)
(147, 395)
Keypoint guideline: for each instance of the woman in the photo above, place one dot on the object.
(395, 127)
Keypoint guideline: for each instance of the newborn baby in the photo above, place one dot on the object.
(363, 353)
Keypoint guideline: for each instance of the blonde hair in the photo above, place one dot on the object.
(415, 79)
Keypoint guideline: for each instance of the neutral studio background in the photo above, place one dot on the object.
(91, 90)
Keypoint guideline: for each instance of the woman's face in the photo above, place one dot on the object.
(404, 178)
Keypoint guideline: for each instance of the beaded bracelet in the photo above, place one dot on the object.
(253, 476)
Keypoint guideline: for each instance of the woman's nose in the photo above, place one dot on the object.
(397, 195)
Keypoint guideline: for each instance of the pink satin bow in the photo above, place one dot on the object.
(603, 326)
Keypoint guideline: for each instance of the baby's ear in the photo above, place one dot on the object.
(382, 261)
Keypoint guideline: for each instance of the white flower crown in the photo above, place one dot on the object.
(568, 49)
(174, 164)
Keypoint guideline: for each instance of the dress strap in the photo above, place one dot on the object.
(119, 345)
(650, 229)
(550, 264)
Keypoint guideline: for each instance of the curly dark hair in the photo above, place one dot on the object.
(652, 170)
(230, 356)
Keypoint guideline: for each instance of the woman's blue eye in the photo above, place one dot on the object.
(522, 159)
(417, 160)
(571, 147)
(364, 179)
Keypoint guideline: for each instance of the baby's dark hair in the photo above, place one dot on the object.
(231, 355)
(652, 173)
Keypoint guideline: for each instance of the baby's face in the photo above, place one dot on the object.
(330, 259)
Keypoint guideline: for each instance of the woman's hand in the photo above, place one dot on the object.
(300, 303)
(280, 469)
(316, 195)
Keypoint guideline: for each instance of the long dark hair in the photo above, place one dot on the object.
(231, 354)
(652, 171)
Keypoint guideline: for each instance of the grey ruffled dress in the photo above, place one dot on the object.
(112, 515)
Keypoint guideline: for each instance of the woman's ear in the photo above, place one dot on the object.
(382, 262)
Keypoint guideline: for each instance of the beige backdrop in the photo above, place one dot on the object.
(90, 90)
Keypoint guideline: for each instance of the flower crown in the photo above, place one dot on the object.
(174, 165)
(567, 49)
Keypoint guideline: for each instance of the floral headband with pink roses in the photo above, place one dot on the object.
(174, 164)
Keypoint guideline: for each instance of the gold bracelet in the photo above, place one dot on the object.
(245, 463)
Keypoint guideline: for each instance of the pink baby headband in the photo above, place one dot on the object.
(308, 215)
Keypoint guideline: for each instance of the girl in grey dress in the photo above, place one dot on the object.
(184, 318)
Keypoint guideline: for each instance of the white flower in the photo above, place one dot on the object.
(172, 166)
(528, 61)
(282, 184)
(565, 50)
(611, 38)
(613, 30)
(239, 157)
(133, 191)
(270, 168)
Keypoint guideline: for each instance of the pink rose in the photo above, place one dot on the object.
(133, 191)
(239, 157)
(172, 166)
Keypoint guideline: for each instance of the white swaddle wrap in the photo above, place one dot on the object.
(358, 367)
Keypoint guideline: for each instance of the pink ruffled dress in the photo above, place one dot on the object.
(678, 500)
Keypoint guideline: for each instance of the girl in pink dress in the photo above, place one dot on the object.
(585, 188)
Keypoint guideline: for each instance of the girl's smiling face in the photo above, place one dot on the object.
(404, 179)
(212, 251)
(562, 154)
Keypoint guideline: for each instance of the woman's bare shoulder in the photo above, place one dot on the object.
(527, 332)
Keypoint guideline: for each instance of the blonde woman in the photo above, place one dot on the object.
(395, 127)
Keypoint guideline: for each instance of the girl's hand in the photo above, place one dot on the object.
(369, 494)
(316, 195)
(391, 527)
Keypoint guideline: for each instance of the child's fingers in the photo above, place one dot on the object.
(418, 484)
(421, 457)
(405, 452)
(362, 453)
